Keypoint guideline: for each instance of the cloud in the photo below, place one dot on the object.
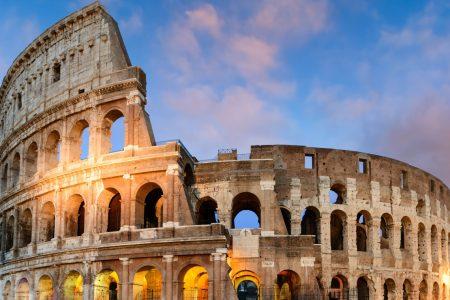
(134, 23)
(205, 18)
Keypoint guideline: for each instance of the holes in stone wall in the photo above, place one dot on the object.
(4, 180)
(434, 244)
(74, 216)
(56, 72)
(47, 222)
(362, 231)
(362, 166)
(15, 170)
(207, 211)
(404, 180)
(406, 234)
(246, 211)
(337, 230)
(25, 228)
(337, 194)
(421, 243)
(386, 224)
(421, 208)
(79, 141)
(310, 223)
(309, 161)
(52, 150)
(113, 133)
(286, 214)
(153, 209)
(31, 160)
(114, 213)
(9, 243)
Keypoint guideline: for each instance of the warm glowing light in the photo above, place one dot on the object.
(446, 279)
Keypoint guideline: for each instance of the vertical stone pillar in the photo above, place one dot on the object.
(224, 273)
(3, 236)
(395, 232)
(414, 245)
(268, 205)
(59, 218)
(296, 195)
(88, 281)
(125, 291)
(168, 277)
(217, 286)
(16, 231)
(428, 249)
(171, 210)
(376, 251)
(34, 225)
(126, 203)
(33, 286)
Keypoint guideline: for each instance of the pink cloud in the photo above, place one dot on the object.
(205, 18)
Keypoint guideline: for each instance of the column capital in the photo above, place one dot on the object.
(168, 258)
(173, 169)
(125, 260)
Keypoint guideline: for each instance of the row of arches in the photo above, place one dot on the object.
(78, 141)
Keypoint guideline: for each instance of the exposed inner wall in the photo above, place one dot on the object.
(150, 220)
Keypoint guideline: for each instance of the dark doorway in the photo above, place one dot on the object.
(152, 211)
(80, 221)
(247, 290)
(114, 214)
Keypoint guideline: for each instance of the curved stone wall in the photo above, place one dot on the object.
(152, 222)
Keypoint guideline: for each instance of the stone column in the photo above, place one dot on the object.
(88, 281)
(268, 207)
(168, 277)
(59, 218)
(216, 286)
(170, 213)
(296, 195)
(16, 230)
(125, 291)
(34, 226)
(395, 232)
(125, 203)
(376, 251)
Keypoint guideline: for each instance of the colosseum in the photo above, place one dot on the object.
(150, 221)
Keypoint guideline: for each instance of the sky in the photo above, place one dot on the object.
(369, 76)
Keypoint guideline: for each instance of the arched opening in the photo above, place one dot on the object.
(194, 281)
(74, 216)
(149, 206)
(9, 233)
(337, 230)
(338, 288)
(246, 211)
(363, 232)
(386, 224)
(421, 243)
(435, 291)
(45, 288)
(79, 141)
(434, 244)
(31, 159)
(5, 178)
(106, 285)
(23, 290)
(73, 286)
(287, 285)
(421, 208)
(423, 290)
(406, 235)
(363, 289)
(7, 294)
(337, 193)
(207, 211)
(147, 284)
(47, 222)
(443, 245)
(389, 289)
(26, 222)
(15, 170)
(52, 150)
(188, 176)
(246, 284)
(310, 223)
(114, 213)
(406, 290)
(113, 133)
(286, 214)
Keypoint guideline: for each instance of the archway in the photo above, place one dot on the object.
(79, 141)
(443, 245)
(113, 133)
(421, 208)
(74, 217)
(363, 233)
(421, 243)
(7, 293)
(4, 184)
(286, 214)
(386, 224)
(45, 288)
(406, 289)
(52, 150)
(338, 288)
(31, 159)
(73, 286)
(149, 206)
(25, 228)
(423, 290)
(23, 290)
(337, 193)
(363, 289)
(434, 244)
(114, 213)
(15, 170)
(246, 284)
(9, 233)
(188, 176)
(389, 289)
(405, 235)
(207, 211)
(435, 291)
(310, 223)
(338, 230)
(246, 211)
(287, 285)
(147, 284)
(47, 222)
(106, 285)
(194, 281)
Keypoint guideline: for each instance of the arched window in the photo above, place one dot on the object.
(435, 291)
(194, 280)
(47, 222)
(421, 243)
(386, 223)
(79, 141)
(147, 283)
(443, 245)
(114, 213)
(23, 289)
(246, 211)
(15, 170)
(106, 285)
(406, 290)
(421, 208)
(310, 223)
(73, 286)
(74, 216)
(337, 230)
(153, 209)
(286, 214)
(406, 235)
(25, 228)
(52, 150)
(113, 134)
(288, 284)
(207, 211)
(45, 287)
(337, 194)
(434, 244)
(363, 289)
(389, 289)
(10, 233)
(338, 287)
(31, 159)
(363, 233)
(423, 290)
(5, 178)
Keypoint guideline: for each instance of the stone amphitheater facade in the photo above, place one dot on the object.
(153, 222)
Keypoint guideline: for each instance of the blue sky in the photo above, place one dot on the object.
(370, 76)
